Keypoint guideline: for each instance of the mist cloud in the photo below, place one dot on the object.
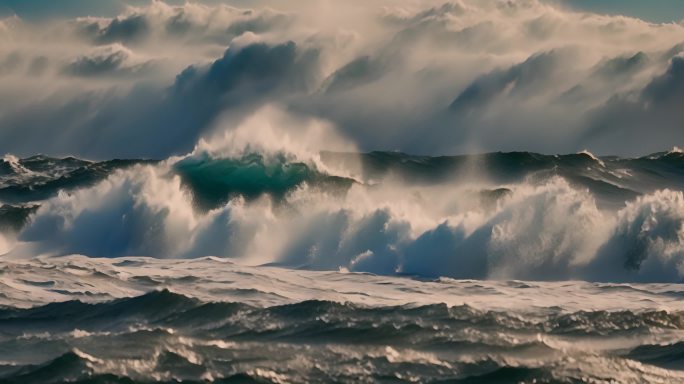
(431, 77)
(649, 119)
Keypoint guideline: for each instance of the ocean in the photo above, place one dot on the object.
(344, 267)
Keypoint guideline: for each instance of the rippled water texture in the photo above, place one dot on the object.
(146, 320)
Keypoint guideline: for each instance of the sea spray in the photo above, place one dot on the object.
(531, 217)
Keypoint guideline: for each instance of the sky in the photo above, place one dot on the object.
(660, 11)
(154, 79)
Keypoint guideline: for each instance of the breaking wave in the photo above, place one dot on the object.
(499, 215)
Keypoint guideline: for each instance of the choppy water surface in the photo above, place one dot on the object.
(146, 320)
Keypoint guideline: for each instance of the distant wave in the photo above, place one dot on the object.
(41, 177)
(498, 215)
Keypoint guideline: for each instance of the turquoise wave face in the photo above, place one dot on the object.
(214, 182)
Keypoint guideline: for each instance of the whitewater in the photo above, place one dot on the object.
(283, 266)
(493, 216)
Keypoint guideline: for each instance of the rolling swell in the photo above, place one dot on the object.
(660, 170)
(669, 356)
(166, 337)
